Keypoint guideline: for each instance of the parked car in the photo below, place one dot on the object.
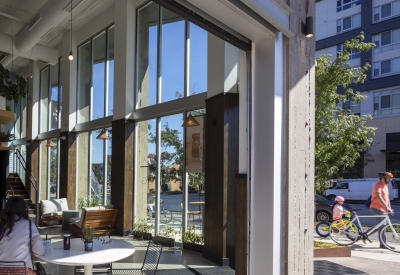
(358, 190)
(323, 208)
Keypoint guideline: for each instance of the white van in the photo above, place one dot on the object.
(357, 189)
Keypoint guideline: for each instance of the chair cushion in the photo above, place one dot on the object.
(61, 204)
(52, 214)
(48, 207)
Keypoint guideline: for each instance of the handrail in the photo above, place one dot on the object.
(25, 173)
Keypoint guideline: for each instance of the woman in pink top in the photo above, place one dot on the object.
(337, 209)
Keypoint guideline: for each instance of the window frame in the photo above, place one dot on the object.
(339, 23)
(377, 39)
(378, 64)
(377, 102)
(380, 12)
(342, 7)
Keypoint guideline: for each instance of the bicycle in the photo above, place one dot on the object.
(347, 234)
(165, 215)
(322, 228)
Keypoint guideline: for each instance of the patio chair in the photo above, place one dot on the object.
(193, 213)
(97, 269)
(150, 263)
(13, 268)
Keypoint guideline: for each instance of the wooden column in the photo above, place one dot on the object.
(241, 225)
(122, 175)
(32, 162)
(221, 165)
(68, 168)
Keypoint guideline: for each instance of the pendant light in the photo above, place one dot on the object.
(103, 135)
(71, 57)
(51, 144)
(190, 121)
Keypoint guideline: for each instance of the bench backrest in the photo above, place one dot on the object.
(100, 218)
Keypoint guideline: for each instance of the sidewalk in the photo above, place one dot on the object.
(365, 259)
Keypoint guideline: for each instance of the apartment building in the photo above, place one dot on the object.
(341, 20)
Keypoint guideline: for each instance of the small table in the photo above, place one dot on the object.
(66, 215)
(101, 254)
(202, 204)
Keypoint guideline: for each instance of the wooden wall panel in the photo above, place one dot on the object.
(241, 225)
(68, 168)
(221, 165)
(122, 173)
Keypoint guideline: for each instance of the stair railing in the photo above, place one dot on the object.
(27, 178)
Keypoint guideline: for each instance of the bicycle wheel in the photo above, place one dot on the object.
(392, 240)
(344, 232)
(322, 229)
(165, 216)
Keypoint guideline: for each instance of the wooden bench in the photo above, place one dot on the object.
(102, 220)
(46, 220)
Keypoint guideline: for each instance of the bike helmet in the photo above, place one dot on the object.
(385, 175)
(339, 198)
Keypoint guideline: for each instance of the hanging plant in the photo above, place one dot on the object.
(12, 87)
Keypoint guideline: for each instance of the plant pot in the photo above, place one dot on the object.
(193, 247)
(4, 144)
(165, 241)
(88, 246)
(143, 235)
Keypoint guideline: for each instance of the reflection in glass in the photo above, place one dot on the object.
(198, 60)
(44, 99)
(84, 72)
(110, 58)
(99, 58)
(83, 165)
(147, 55)
(43, 172)
(53, 171)
(54, 109)
(97, 171)
(172, 55)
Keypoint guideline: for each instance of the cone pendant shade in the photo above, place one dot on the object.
(190, 121)
(50, 144)
(102, 135)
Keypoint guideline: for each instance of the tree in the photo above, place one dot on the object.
(340, 136)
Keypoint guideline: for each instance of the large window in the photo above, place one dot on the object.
(353, 54)
(49, 169)
(387, 102)
(349, 23)
(386, 67)
(386, 11)
(96, 76)
(50, 98)
(346, 4)
(163, 49)
(387, 41)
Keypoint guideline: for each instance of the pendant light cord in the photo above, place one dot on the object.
(71, 28)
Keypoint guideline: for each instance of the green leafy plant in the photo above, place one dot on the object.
(88, 234)
(6, 137)
(87, 201)
(8, 108)
(191, 237)
(141, 226)
(167, 231)
(12, 86)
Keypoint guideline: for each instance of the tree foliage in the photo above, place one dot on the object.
(339, 135)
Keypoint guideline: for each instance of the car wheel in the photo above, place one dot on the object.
(331, 197)
(323, 216)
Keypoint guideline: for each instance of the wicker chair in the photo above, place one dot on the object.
(150, 263)
(13, 268)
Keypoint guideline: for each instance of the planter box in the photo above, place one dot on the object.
(144, 236)
(343, 251)
(164, 241)
(193, 247)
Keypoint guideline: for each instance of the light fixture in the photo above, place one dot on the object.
(308, 28)
(190, 121)
(63, 137)
(71, 57)
(51, 144)
(103, 135)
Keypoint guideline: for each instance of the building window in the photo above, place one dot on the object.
(387, 102)
(386, 11)
(96, 76)
(172, 57)
(346, 4)
(50, 97)
(387, 41)
(349, 23)
(352, 55)
(386, 67)
(352, 107)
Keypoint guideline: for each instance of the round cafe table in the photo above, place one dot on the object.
(101, 254)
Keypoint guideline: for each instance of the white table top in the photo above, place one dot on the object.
(101, 254)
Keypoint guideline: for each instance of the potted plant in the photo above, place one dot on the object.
(12, 86)
(5, 138)
(193, 241)
(142, 230)
(166, 236)
(87, 237)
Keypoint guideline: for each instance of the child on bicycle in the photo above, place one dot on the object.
(337, 209)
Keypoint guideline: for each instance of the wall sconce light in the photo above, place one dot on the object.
(51, 144)
(190, 121)
(308, 28)
(103, 135)
(63, 137)
(28, 144)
